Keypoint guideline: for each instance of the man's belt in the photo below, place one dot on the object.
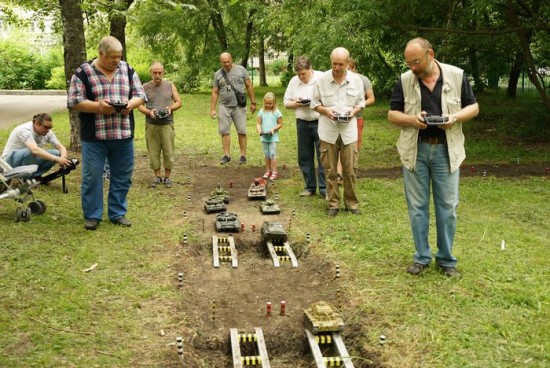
(433, 140)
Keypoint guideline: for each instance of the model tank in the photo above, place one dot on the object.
(320, 317)
(226, 221)
(273, 231)
(270, 206)
(221, 193)
(214, 204)
(257, 189)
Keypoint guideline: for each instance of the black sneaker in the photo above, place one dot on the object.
(225, 160)
(168, 183)
(416, 268)
(242, 160)
(155, 182)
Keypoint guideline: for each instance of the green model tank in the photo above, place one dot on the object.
(221, 193)
(273, 232)
(320, 317)
(226, 221)
(270, 206)
(214, 204)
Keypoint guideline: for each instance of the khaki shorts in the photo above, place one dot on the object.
(234, 114)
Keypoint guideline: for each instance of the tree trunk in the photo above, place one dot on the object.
(525, 37)
(290, 63)
(261, 56)
(515, 72)
(248, 38)
(217, 24)
(118, 22)
(479, 85)
(74, 46)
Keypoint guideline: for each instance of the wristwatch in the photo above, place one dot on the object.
(253, 103)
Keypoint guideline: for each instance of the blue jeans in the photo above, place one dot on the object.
(308, 147)
(270, 150)
(24, 157)
(120, 156)
(432, 165)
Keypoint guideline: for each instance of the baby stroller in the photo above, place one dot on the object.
(15, 183)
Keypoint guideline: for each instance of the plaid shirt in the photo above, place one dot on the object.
(107, 127)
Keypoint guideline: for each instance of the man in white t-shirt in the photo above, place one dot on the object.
(297, 97)
(26, 146)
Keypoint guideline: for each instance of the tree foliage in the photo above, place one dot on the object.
(25, 67)
(493, 40)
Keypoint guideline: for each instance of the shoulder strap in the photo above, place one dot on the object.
(227, 79)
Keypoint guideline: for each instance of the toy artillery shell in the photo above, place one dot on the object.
(320, 317)
(269, 207)
(257, 189)
(214, 204)
(227, 222)
(221, 193)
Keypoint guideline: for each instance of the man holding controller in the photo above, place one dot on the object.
(431, 149)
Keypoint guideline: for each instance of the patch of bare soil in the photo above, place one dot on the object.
(217, 299)
(469, 170)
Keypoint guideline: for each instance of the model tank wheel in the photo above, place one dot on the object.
(22, 215)
(37, 207)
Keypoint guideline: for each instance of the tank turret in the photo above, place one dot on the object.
(321, 317)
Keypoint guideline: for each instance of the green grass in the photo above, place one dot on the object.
(53, 314)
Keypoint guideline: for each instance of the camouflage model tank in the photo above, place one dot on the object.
(228, 222)
(214, 204)
(269, 206)
(320, 317)
(221, 193)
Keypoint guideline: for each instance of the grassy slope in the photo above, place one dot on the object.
(53, 314)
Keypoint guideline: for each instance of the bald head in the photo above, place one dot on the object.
(339, 58)
(157, 72)
(226, 60)
(340, 53)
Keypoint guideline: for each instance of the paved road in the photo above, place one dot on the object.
(18, 108)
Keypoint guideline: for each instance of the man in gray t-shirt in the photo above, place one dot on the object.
(228, 80)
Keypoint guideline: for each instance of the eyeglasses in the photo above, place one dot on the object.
(416, 62)
(46, 127)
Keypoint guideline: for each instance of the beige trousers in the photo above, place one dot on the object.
(349, 157)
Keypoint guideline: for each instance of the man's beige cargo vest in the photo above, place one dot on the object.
(407, 143)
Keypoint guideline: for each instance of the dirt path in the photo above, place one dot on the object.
(217, 299)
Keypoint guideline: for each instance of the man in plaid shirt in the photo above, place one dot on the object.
(105, 91)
